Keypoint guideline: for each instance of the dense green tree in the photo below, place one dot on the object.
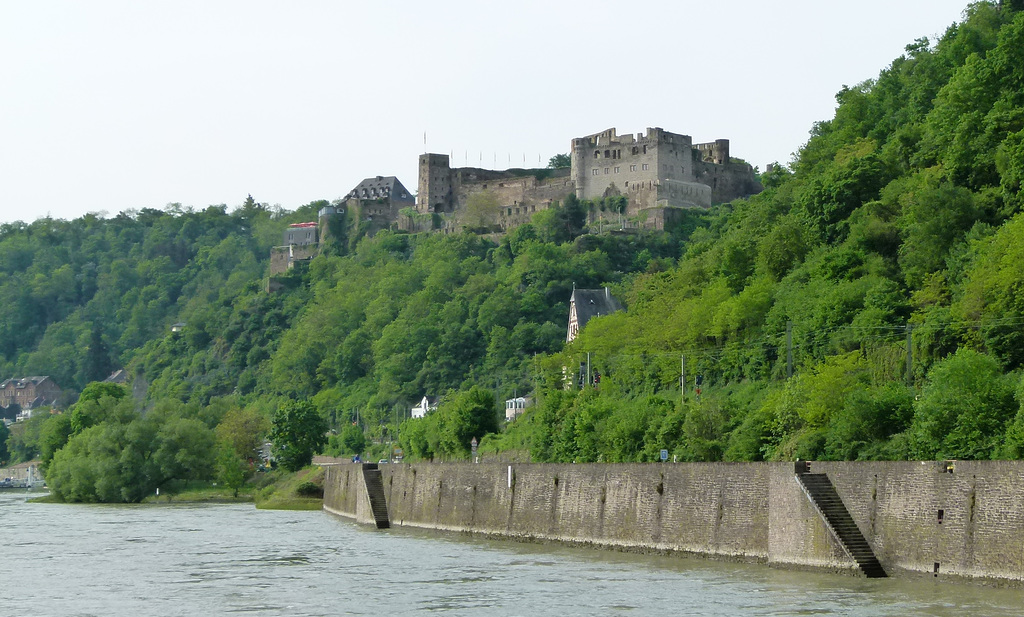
(232, 470)
(297, 432)
(53, 435)
(559, 161)
(463, 416)
(353, 440)
(964, 410)
(244, 430)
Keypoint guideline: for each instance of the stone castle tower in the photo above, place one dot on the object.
(435, 192)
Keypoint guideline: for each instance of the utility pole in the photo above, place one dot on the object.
(682, 378)
(910, 356)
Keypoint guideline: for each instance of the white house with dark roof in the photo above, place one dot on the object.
(585, 304)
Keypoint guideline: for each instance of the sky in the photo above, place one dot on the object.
(107, 106)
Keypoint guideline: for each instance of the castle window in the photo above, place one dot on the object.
(644, 165)
(606, 155)
(597, 154)
(606, 171)
(616, 170)
(594, 171)
(645, 149)
(635, 150)
(632, 168)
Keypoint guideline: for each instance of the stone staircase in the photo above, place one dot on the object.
(826, 500)
(375, 491)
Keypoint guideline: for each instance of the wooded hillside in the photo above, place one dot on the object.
(868, 304)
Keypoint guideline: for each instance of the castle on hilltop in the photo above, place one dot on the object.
(659, 173)
(656, 174)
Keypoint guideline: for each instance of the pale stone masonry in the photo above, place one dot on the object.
(943, 520)
(659, 172)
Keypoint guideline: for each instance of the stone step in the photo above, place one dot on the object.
(823, 494)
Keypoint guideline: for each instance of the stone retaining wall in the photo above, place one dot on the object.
(747, 511)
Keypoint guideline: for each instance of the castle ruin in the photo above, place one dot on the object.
(659, 172)
(516, 194)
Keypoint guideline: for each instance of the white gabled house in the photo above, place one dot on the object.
(424, 407)
(514, 407)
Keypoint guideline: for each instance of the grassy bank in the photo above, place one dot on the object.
(277, 490)
(302, 490)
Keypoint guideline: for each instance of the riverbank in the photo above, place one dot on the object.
(277, 490)
(957, 521)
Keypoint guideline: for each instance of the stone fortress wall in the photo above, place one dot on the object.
(654, 170)
(519, 193)
(920, 518)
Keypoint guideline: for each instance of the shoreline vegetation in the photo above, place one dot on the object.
(276, 490)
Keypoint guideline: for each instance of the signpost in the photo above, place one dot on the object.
(664, 455)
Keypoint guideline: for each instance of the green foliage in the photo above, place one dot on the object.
(353, 441)
(5, 433)
(124, 457)
(560, 161)
(23, 442)
(964, 411)
(244, 431)
(462, 416)
(232, 469)
(309, 489)
(53, 435)
(298, 432)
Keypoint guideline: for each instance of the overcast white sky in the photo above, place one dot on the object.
(107, 106)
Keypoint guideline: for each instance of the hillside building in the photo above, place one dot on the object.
(659, 172)
(585, 304)
(29, 392)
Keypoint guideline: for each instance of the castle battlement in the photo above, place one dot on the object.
(654, 169)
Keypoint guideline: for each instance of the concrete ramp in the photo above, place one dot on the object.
(375, 492)
(826, 500)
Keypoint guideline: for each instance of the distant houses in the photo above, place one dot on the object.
(28, 393)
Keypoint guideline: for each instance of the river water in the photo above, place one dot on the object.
(167, 560)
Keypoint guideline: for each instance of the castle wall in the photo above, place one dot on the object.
(716, 152)
(656, 169)
(284, 257)
(605, 159)
(749, 511)
(727, 182)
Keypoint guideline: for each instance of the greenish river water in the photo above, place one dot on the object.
(167, 560)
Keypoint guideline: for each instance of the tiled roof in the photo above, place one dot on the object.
(593, 302)
(380, 187)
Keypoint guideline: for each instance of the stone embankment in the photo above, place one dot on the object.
(962, 520)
